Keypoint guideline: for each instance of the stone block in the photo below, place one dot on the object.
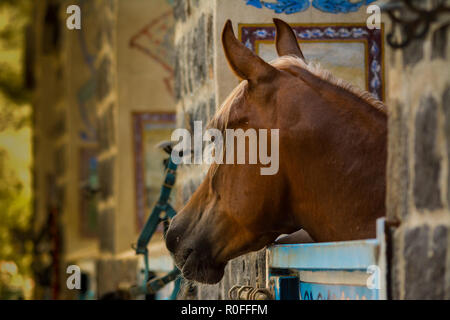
(106, 178)
(104, 79)
(212, 106)
(439, 43)
(199, 46)
(395, 272)
(60, 158)
(106, 129)
(181, 10)
(106, 230)
(446, 109)
(398, 163)
(427, 165)
(413, 53)
(425, 262)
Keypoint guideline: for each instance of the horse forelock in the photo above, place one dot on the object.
(222, 115)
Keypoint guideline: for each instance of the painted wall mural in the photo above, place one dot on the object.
(149, 129)
(156, 41)
(293, 6)
(350, 51)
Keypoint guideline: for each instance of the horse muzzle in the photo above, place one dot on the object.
(193, 256)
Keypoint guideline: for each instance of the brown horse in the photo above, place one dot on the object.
(332, 159)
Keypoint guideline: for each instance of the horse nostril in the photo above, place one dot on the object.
(172, 240)
(186, 253)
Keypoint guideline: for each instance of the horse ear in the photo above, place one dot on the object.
(286, 41)
(246, 64)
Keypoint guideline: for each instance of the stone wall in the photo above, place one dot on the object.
(107, 109)
(418, 194)
(195, 91)
(203, 80)
(194, 76)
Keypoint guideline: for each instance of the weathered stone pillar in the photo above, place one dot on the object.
(418, 176)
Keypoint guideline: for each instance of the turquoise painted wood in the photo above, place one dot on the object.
(334, 270)
(316, 291)
(348, 255)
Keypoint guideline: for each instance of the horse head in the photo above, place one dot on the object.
(331, 141)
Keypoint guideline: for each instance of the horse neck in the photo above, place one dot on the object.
(347, 113)
(339, 183)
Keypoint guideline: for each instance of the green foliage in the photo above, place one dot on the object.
(14, 208)
(15, 199)
(11, 85)
(15, 15)
(15, 214)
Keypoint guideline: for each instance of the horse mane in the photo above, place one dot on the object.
(221, 117)
(316, 69)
